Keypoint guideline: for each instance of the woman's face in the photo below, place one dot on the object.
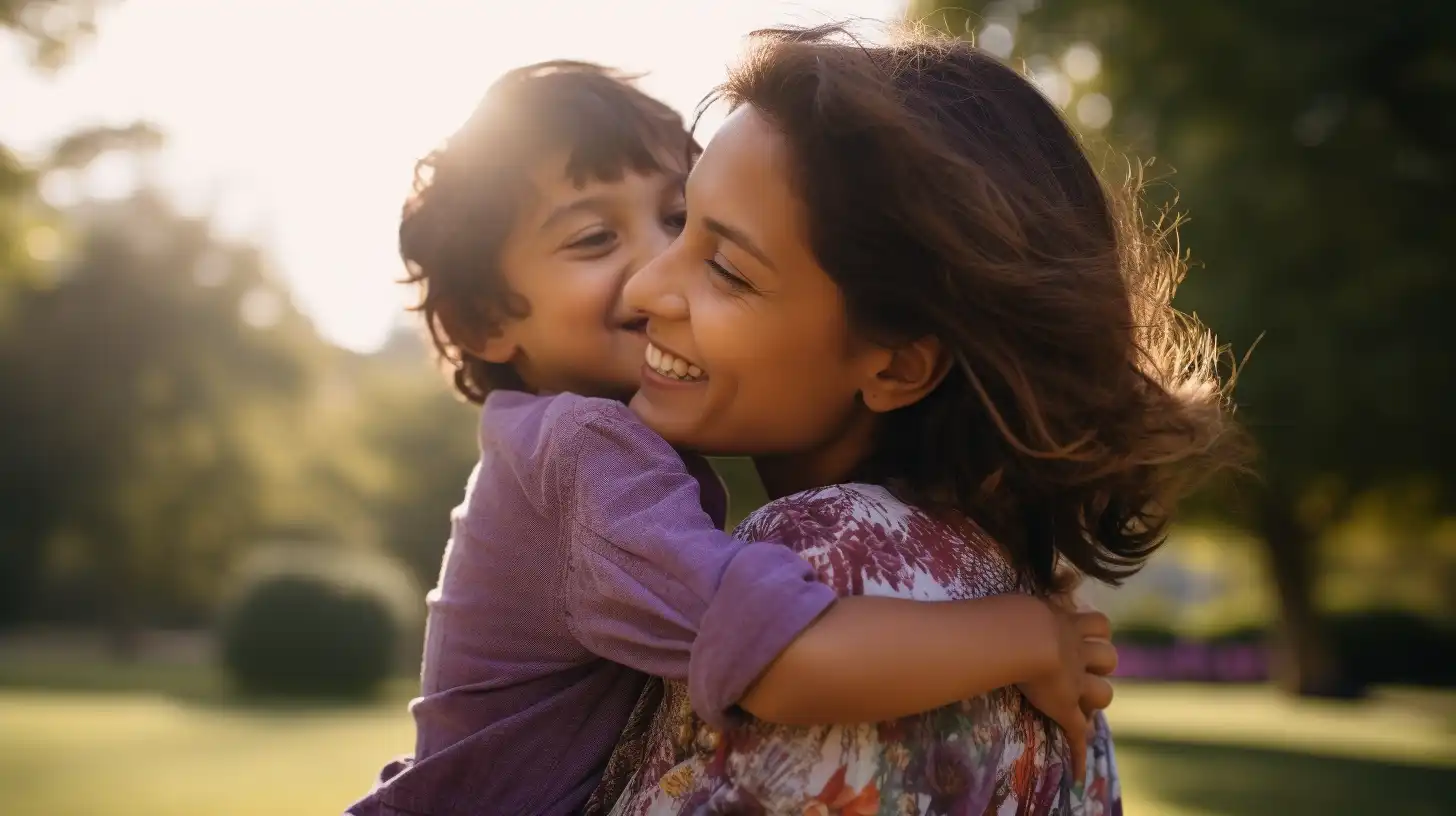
(750, 351)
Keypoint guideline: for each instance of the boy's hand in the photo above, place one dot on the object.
(1075, 685)
(1097, 693)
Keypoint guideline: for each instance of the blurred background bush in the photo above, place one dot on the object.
(227, 464)
(333, 624)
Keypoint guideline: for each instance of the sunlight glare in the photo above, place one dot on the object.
(1054, 85)
(111, 177)
(298, 123)
(42, 243)
(261, 308)
(996, 39)
(1094, 110)
(1082, 62)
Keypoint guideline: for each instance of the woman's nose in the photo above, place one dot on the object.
(652, 291)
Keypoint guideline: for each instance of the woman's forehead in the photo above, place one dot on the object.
(746, 144)
(742, 181)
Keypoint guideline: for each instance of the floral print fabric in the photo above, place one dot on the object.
(994, 754)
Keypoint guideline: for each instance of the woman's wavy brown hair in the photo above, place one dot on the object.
(948, 197)
(468, 193)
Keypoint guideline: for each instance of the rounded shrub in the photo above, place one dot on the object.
(313, 630)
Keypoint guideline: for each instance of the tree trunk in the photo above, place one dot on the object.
(123, 630)
(1304, 662)
(124, 639)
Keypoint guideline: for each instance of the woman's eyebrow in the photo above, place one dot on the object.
(738, 237)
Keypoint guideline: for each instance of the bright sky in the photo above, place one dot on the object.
(297, 121)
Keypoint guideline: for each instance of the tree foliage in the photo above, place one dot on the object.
(50, 29)
(166, 408)
(132, 389)
(1315, 149)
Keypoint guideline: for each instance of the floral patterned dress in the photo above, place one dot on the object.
(990, 755)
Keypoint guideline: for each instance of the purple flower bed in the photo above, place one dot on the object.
(1195, 661)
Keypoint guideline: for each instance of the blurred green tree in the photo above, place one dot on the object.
(1314, 146)
(165, 406)
(47, 29)
(171, 408)
(425, 436)
(50, 29)
(147, 379)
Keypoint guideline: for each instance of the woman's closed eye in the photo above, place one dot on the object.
(726, 273)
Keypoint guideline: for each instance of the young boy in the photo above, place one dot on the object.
(583, 558)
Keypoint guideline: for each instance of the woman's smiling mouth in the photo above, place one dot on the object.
(672, 366)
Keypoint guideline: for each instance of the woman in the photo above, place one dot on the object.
(903, 291)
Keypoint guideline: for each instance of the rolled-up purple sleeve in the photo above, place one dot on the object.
(653, 584)
(763, 602)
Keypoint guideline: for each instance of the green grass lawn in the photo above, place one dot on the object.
(80, 747)
(1205, 750)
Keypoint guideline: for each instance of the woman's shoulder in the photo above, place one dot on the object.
(863, 539)
(818, 515)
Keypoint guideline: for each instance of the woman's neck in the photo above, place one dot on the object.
(832, 462)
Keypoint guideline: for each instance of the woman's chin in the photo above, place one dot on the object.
(667, 421)
(669, 418)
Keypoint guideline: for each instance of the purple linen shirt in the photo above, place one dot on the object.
(581, 561)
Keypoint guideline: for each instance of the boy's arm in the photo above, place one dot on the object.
(870, 659)
(650, 579)
(1058, 651)
(653, 584)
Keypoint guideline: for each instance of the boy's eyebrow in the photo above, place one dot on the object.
(738, 237)
(587, 204)
(597, 203)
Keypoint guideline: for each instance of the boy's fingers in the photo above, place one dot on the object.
(1100, 657)
(1094, 626)
(1074, 724)
(1096, 694)
(1078, 743)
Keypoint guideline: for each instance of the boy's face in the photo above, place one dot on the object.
(568, 256)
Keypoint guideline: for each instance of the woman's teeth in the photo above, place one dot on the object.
(673, 367)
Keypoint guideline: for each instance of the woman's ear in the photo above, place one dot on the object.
(469, 330)
(906, 374)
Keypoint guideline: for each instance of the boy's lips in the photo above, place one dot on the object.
(673, 366)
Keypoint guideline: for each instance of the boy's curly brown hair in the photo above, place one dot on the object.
(947, 197)
(468, 193)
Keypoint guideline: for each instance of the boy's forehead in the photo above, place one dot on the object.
(552, 179)
(555, 194)
(576, 164)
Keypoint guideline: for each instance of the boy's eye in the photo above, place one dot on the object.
(593, 239)
(676, 221)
